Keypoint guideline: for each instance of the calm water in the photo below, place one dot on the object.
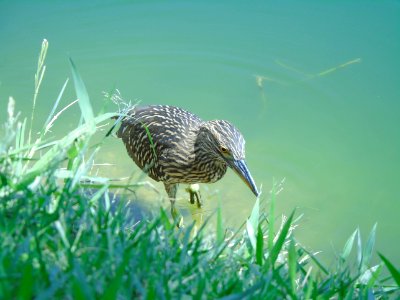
(325, 116)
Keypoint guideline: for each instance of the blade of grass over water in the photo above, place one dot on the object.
(271, 217)
(276, 249)
(260, 246)
(349, 245)
(392, 269)
(316, 261)
(47, 124)
(255, 214)
(251, 233)
(41, 68)
(82, 94)
(367, 252)
(292, 260)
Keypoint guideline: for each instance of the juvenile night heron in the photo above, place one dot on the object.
(175, 146)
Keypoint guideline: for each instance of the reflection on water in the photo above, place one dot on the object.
(313, 88)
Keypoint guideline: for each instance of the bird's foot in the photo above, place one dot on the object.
(194, 192)
(176, 215)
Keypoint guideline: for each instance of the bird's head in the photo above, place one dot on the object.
(226, 143)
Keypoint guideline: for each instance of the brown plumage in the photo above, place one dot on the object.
(175, 146)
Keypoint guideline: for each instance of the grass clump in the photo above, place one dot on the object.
(62, 239)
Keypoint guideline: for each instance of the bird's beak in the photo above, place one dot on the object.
(240, 167)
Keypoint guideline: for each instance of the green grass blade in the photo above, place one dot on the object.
(111, 291)
(41, 68)
(349, 245)
(20, 136)
(53, 110)
(367, 253)
(260, 246)
(281, 240)
(292, 260)
(271, 218)
(152, 145)
(309, 290)
(374, 275)
(255, 214)
(78, 290)
(27, 282)
(82, 94)
(98, 195)
(165, 220)
(316, 261)
(251, 233)
(349, 294)
(359, 248)
(81, 290)
(392, 269)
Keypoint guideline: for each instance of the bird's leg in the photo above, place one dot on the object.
(171, 191)
(194, 192)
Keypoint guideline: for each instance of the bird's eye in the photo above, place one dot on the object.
(224, 150)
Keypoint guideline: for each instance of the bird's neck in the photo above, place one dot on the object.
(206, 160)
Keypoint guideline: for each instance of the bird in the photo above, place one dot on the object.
(175, 146)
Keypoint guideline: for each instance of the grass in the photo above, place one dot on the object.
(64, 236)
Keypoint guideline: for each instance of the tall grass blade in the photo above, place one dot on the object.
(370, 276)
(316, 261)
(41, 68)
(20, 135)
(26, 287)
(281, 240)
(251, 233)
(152, 145)
(349, 294)
(82, 94)
(260, 246)
(165, 220)
(392, 269)
(80, 287)
(349, 245)
(367, 253)
(309, 289)
(292, 260)
(271, 218)
(255, 214)
(50, 124)
(376, 271)
(78, 291)
(62, 233)
(111, 291)
(53, 110)
(359, 249)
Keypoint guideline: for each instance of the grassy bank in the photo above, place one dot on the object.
(61, 238)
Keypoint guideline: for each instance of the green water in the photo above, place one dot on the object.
(326, 117)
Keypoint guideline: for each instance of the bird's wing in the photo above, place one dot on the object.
(165, 126)
(158, 136)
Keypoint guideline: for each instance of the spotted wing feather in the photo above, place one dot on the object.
(151, 134)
